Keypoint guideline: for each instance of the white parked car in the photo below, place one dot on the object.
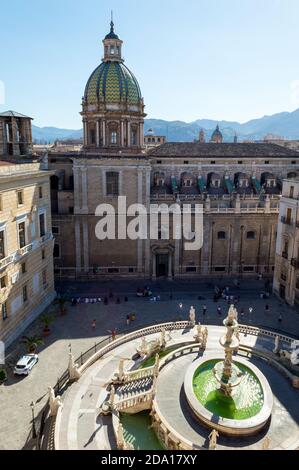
(25, 364)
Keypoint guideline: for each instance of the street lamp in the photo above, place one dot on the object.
(34, 433)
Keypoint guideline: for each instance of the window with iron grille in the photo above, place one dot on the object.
(4, 311)
(2, 245)
(112, 183)
(22, 234)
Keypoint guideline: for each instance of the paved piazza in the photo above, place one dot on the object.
(76, 328)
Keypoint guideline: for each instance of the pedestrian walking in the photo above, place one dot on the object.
(204, 310)
(94, 324)
(242, 312)
(219, 310)
(280, 318)
(267, 308)
(128, 320)
(250, 310)
(113, 333)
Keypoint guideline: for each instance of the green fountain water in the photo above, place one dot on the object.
(137, 431)
(245, 401)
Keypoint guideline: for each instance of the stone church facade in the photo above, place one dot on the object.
(238, 185)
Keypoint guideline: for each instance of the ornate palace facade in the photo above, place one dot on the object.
(239, 186)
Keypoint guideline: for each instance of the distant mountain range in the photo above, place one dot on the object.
(282, 124)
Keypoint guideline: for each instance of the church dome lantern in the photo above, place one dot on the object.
(112, 99)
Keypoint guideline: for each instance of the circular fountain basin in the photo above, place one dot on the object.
(244, 413)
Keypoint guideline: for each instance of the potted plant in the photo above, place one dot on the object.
(32, 342)
(3, 376)
(62, 301)
(46, 320)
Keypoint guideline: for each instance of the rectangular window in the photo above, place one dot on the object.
(20, 198)
(191, 269)
(40, 192)
(113, 270)
(42, 225)
(25, 294)
(240, 162)
(291, 192)
(248, 269)
(2, 244)
(213, 162)
(55, 230)
(219, 268)
(71, 210)
(23, 268)
(159, 162)
(112, 180)
(3, 282)
(43, 254)
(4, 311)
(267, 162)
(22, 234)
(44, 275)
(186, 162)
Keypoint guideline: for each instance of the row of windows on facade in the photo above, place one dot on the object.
(23, 270)
(213, 162)
(22, 237)
(214, 180)
(25, 297)
(114, 138)
(20, 197)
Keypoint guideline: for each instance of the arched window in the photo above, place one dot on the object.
(221, 235)
(250, 235)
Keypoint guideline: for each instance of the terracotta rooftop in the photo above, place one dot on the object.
(224, 150)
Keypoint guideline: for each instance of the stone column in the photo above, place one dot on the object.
(85, 246)
(154, 274)
(104, 132)
(177, 258)
(122, 137)
(85, 130)
(16, 145)
(170, 266)
(147, 203)
(128, 134)
(77, 207)
(98, 132)
(141, 136)
(84, 190)
(78, 245)
(140, 242)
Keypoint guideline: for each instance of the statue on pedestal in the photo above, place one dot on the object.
(54, 402)
(213, 439)
(192, 315)
(276, 348)
(73, 368)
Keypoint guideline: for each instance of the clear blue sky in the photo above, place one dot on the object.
(218, 59)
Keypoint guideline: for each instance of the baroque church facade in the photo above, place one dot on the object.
(238, 185)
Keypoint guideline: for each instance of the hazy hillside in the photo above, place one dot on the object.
(283, 124)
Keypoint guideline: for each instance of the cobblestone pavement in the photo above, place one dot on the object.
(76, 328)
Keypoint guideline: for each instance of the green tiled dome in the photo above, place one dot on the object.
(112, 82)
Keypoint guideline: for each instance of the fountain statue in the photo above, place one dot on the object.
(201, 335)
(213, 439)
(73, 368)
(148, 348)
(54, 402)
(229, 395)
(192, 316)
(276, 347)
(112, 396)
(226, 373)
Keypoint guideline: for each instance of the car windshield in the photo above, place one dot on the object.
(20, 366)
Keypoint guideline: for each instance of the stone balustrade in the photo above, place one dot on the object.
(6, 261)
